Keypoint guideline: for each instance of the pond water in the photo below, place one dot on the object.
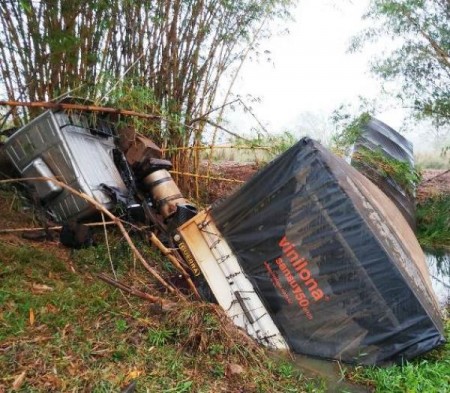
(439, 266)
(332, 372)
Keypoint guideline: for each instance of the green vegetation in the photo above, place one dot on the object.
(278, 143)
(418, 59)
(68, 331)
(433, 222)
(350, 130)
(400, 171)
(429, 374)
(207, 44)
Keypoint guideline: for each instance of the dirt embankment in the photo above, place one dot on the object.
(434, 181)
(237, 172)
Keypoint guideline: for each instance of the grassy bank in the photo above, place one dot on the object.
(433, 222)
(67, 331)
(430, 374)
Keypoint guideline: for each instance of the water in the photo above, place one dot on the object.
(439, 266)
(332, 373)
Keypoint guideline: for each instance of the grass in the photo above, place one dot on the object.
(433, 222)
(401, 172)
(70, 332)
(430, 374)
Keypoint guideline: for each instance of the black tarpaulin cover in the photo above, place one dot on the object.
(334, 261)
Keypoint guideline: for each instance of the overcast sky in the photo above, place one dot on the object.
(310, 69)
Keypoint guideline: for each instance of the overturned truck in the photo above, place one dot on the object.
(333, 262)
(309, 255)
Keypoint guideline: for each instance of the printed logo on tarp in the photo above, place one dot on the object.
(302, 285)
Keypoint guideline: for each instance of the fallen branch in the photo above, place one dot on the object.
(224, 130)
(15, 341)
(226, 179)
(211, 147)
(103, 109)
(434, 177)
(78, 107)
(54, 228)
(108, 248)
(165, 305)
(115, 220)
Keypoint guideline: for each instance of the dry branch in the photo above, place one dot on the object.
(54, 228)
(227, 131)
(78, 107)
(434, 177)
(102, 109)
(165, 305)
(207, 177)
(211, 147)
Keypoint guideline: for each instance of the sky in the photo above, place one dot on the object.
(310, 72)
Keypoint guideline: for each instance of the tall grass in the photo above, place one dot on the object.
(432, 160)
(260, 149)
(433, 222)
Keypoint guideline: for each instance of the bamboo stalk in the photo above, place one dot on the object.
(210, 147)
(196, 170)
(207, 177)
